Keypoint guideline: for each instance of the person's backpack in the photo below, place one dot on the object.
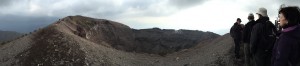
(232, 33)
(269, 35)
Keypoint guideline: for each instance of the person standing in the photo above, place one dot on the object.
(287, 48)
(263, 37)
(246, 39)
(236, 34)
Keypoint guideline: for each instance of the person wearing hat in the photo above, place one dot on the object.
(236, 34)
(246, 39)
(263, 37)
(286, 51)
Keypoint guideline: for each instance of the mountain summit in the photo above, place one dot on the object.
(85, 41)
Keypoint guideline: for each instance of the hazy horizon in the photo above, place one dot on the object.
(206, 15)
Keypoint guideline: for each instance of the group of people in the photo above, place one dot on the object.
(264, 44)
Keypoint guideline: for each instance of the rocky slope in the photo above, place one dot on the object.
(84, 41)
(164, 41)
(8, 35)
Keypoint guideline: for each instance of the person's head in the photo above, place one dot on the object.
(250, 16)
(289, 16)
(238, 20)
(262, 12)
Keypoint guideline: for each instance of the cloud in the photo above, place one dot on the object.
(271, 5)
(94, 8)
(290, 2)
(185, 3)
(106, 9)
(4, 3)
(97, 8)
(139, 13)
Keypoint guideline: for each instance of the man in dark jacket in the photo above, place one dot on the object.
(236, 34)
(246, 39)
(262, 39)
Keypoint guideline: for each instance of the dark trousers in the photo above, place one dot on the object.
(237, 43)
(262, 58)
(247, 55)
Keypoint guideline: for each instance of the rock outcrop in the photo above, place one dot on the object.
(122, 37)
(101, 31)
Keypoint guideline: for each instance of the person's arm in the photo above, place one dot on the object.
(246, 33)
(274, 35)
(255, 34)
(232, 31)
(273, 28)
(283, 52)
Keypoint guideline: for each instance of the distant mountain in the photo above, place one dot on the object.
(24, 24)
(8, 35)
(164, 41)
(85, 41)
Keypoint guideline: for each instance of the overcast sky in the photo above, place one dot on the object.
(206, 15)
